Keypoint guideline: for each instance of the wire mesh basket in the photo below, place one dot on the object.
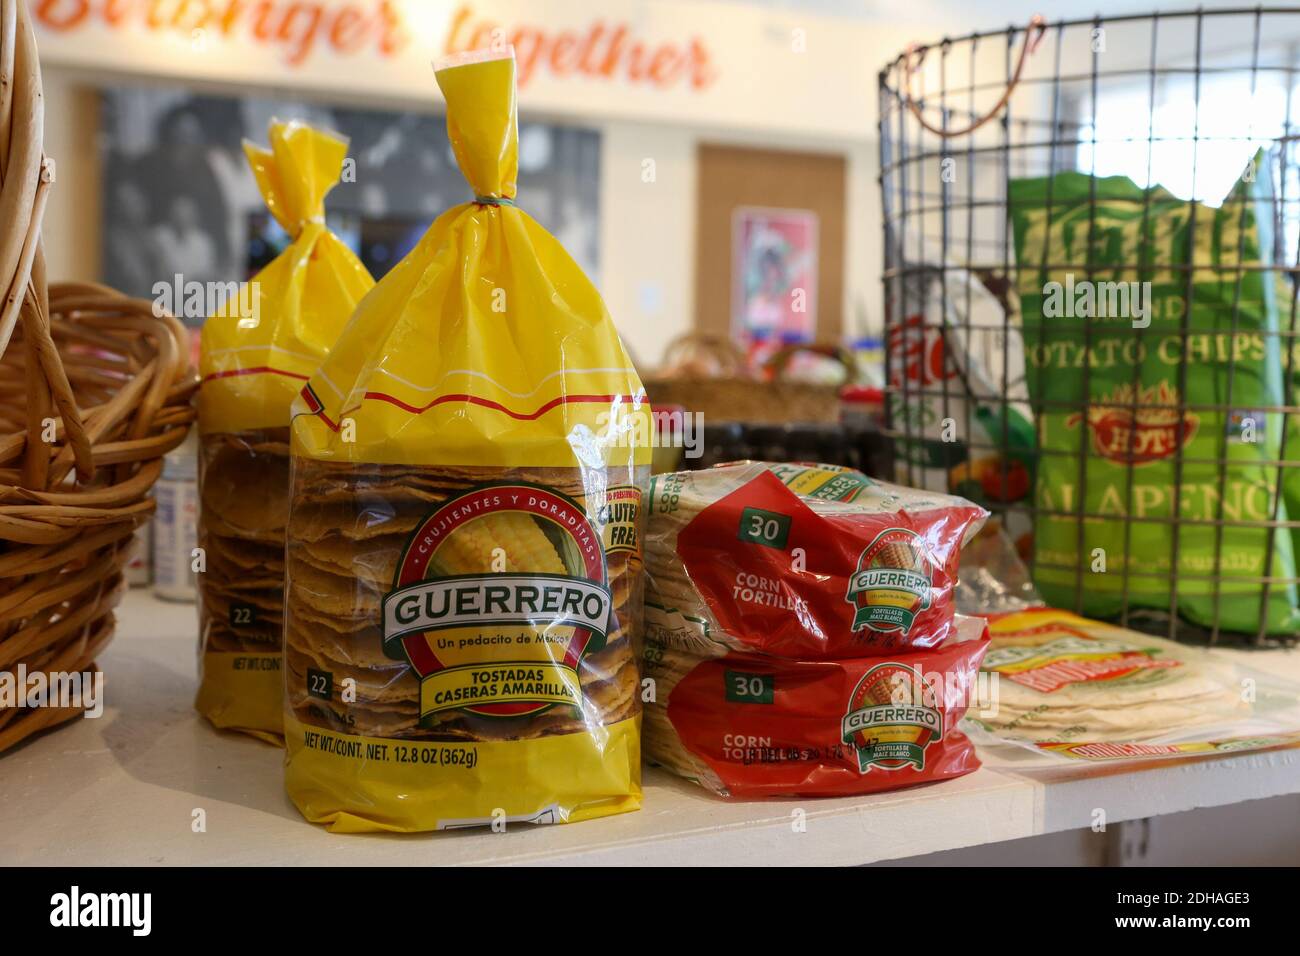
(1092, 249)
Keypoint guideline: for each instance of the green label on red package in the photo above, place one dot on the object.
(892, 583)
(823, 481)
(848, 580)
(745, 688)
(889, 728)
(764, 527)
(819, 728)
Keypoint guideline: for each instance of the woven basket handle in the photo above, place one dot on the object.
(26, 176)
(690, 347)
(776, 365)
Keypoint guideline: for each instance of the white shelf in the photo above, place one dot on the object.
(122, 790)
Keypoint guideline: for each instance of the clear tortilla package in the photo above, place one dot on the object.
(752, 725)
(1069, 688)
(464, 563)
(812, 562)
(257, 350)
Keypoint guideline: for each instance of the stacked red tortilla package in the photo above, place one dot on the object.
(801, 633)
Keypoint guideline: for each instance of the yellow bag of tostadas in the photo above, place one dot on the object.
(257, 350)
(464, 561)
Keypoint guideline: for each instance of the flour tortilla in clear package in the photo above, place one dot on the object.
(811, 562)
(463, 596)
(257, 350)
(1069, 688)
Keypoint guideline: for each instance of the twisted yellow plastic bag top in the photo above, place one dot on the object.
(268, 338)
(486, 345)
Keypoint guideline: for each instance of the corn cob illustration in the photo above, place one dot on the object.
(897, 555)
(473, 549)
(878, 692)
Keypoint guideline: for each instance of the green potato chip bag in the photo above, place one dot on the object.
(1125, 381)
(1288, 307)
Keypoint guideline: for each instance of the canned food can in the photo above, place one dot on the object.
(175, 526)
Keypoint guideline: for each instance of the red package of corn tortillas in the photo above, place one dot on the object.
(747, 725)
(809, 562)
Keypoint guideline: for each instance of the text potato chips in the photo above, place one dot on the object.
(1156, 397)
(256, 353)
(464, 563)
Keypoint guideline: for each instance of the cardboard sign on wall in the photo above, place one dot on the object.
(733, 179)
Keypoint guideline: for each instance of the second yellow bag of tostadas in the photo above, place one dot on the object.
(464, 561)
(257, 350)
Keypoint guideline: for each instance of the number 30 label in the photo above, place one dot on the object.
(767, 528)
(749, 688)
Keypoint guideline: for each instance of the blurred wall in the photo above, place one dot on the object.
(647, 221)
(72, 217)
(647, 230)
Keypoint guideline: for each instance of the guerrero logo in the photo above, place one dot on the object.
(892, 583)
(498, 596)
(886, 727)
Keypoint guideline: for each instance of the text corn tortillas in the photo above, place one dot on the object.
(255, 352)
(463, 599)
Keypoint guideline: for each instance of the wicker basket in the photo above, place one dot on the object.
(94, 390)
(708, 375)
